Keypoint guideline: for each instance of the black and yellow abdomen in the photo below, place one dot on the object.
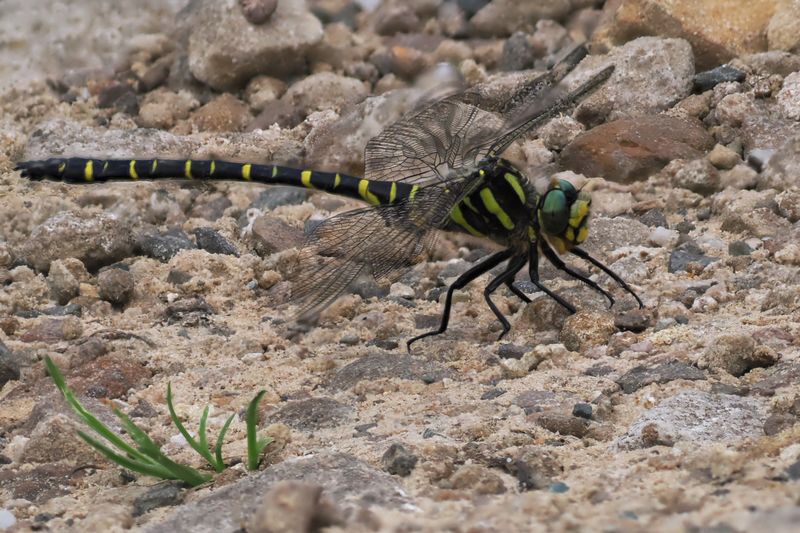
(83, 170)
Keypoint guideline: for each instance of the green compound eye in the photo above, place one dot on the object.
(568, 188)
(555, 213)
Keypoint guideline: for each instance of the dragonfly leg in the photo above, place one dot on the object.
(561, 265)
(517, 292)
(533, 269)
(460, 283)
(506, 277)
(584, 255)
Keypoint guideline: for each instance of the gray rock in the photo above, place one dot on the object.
(395, 17)
(651, 75)
(608, 234)
(225, 50)
(779, 520)
(503, 17)
(654, 218)
(738, 248)
(313, 414)
(324, 90)
(115, 286)
(64, 286)
(397, 460)
(161, 495)
(563, 424)
(258, 11)
(213, 242)
(471, 7)
(699, 417)
(273, 197)
(636, 320)
(698, 176)
(704, 81)
(292, 506)
(9, 367)
(737, 354)
(541, 401)
(587, 328)
(784, 374)
(349, 483)
(212, 209)
(517, 53)
(512, 351)
(163, 246)
(270, 235)
(96, 241)
(788, 97)
(387, 365)
(789, 204)
(686, 253)
(641, 376)
(582, 410)
(783, 167)
(777, 422)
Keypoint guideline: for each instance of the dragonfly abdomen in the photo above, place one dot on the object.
(88, 170)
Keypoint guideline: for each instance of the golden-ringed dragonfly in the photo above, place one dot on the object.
(437, 169)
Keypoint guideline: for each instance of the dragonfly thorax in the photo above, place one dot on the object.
(500, 204)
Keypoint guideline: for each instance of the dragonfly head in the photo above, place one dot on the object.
(563, 213)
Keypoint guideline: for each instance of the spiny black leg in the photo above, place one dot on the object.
(533, 269)
(561, 265)
(519, 294)
(460, 283)
(506, 276)
(583, 255)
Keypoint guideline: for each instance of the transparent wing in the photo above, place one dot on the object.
(380, 241)
(434, 145)
(449, 137)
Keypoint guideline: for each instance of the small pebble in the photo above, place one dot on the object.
(258, 11)
(397, 460)
(212, 241)
(703, 81)
(582, 410)
(160, 495)
(115, 286)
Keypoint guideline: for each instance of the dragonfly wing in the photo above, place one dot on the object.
(381, 241)
(434, 145)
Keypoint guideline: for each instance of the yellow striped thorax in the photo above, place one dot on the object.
(563, 215)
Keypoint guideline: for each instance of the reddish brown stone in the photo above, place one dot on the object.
(627, 150)
(53, 330)
(108, 377)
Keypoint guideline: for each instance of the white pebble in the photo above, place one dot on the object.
(663, 237)
(7, 519)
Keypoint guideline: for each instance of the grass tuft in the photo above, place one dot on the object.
(144, 455)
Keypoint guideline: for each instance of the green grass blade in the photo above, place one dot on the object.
(148, 469)
(204, 452)
(251, 420)
(220, 440)
(203, 434)
(100, 428)
(263, 442)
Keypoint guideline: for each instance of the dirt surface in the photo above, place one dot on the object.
(682, 416)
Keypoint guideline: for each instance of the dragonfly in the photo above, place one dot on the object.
(436, 169)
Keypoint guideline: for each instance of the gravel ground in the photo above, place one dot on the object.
(682, 416)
